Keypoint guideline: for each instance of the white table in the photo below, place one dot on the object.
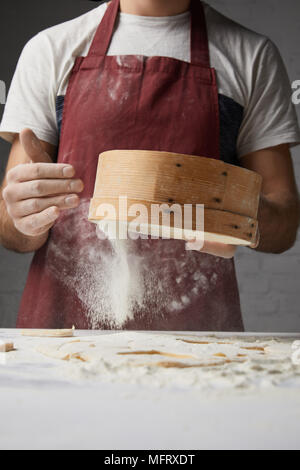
(40, 411)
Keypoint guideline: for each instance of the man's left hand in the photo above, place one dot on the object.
(212, 248)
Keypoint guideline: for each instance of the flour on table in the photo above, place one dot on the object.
(185, 361)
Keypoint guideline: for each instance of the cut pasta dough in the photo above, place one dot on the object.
(207, 363)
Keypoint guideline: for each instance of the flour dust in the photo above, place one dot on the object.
(131, 284)
(124, 283)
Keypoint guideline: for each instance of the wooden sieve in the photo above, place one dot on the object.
(230, 194)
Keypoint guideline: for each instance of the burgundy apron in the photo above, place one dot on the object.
(132, 102)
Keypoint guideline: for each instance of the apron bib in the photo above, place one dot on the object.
(133, 103)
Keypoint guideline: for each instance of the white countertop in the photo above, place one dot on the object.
(42, 410)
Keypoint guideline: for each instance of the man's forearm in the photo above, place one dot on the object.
(278, 224)
(12, 239)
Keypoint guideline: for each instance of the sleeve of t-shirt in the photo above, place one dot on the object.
(269, 117)
(31, 98)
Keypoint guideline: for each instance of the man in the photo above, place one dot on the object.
(146, 77)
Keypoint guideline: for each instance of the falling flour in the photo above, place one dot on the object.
(124, 283)
(106, 275)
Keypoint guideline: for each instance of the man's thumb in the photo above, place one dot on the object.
(33, 147)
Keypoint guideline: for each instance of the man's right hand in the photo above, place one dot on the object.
(37, 191)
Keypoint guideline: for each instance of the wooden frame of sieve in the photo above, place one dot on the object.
(229, 193)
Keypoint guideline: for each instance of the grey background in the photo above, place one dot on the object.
(269, 284)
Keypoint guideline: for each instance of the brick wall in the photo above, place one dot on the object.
(269, 284)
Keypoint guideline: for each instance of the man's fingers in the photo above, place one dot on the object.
(212, 248)
(41, 188)
(42, 230)
(37, 223)
(39, 171)
(33, 206)
(256, 243)
(195, 245)
(33, 147)
(37, 191)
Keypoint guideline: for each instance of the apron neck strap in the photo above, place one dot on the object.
(104, 33)
(199, 38)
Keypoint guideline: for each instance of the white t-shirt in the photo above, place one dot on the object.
(250, 72)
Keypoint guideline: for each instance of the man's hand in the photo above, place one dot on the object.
(36, 192)
(219, 249)
(279, 210)
(212, 248)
